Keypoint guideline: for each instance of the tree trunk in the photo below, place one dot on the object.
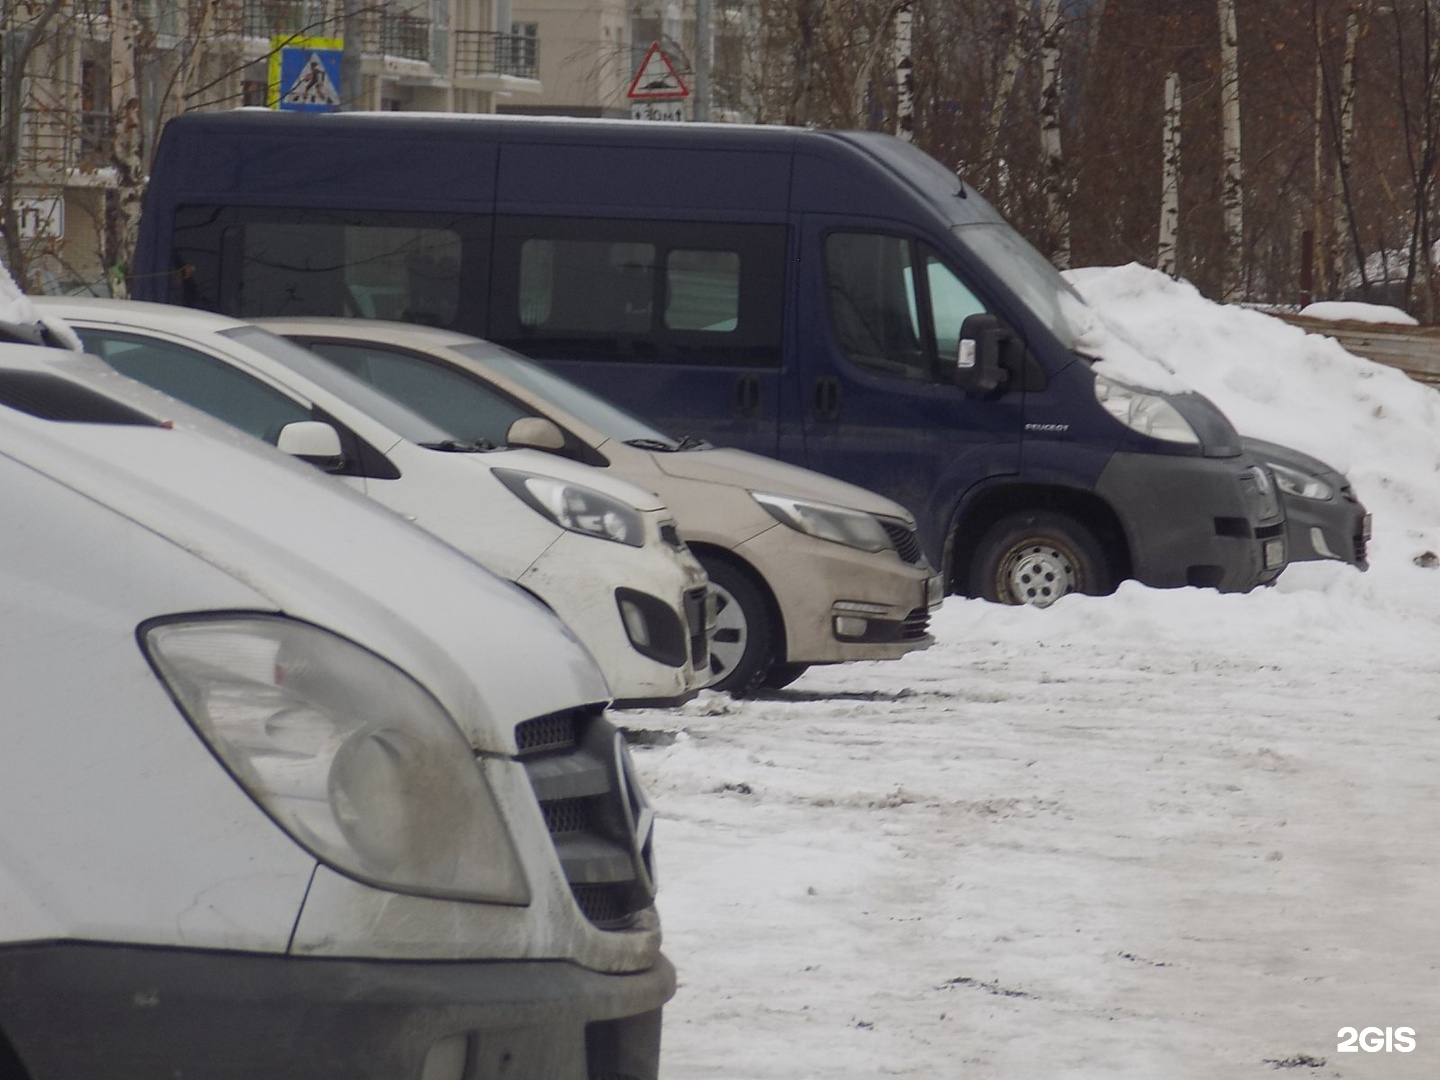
(1019, 18)
(1056, 194)
(904, 74)
(1165, 259)
(1232, 195)
(123, 213)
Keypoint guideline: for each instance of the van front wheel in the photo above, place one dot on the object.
(1036, 558)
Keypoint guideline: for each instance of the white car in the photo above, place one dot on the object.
(807, 569)
(604, 554)
(290, 789)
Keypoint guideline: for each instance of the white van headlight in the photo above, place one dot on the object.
(576, 507)
(1149, 414)
(347, 753)
(853, 528)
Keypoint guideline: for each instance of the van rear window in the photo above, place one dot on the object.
(639, 290)
(256, 261)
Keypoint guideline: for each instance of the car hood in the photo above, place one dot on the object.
(1262, 450)
(739, 468)
(311, 549)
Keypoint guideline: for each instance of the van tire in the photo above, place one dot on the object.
(1037, 557)
(743, 647)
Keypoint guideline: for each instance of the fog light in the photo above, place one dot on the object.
(446, 1059)
(849, 626)
(635, 625)
(1317, 541)
(1274, 553)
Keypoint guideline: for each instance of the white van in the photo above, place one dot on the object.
(603, 554)
(290, 789)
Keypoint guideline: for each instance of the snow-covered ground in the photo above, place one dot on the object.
(1155, 835)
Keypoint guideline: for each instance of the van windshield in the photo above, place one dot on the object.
(604, 416)
(1029, 275)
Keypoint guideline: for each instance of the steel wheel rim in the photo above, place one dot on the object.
(732, 634)
(1038, 574)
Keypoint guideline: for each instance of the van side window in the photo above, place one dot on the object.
(586, 286)
(256, 261)
(873, 305)
(887, 317)
(590, 288)
(199, 380)
(951, 303)
(702, 290)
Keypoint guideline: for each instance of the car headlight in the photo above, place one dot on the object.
(576, 507)
(344, 751)
(1303, 485)
(1149, 414)
(853, 528)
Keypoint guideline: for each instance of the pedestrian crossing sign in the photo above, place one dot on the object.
(305, 74)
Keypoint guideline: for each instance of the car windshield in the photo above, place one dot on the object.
(408, 425)
(1032, 279)
(603, 416)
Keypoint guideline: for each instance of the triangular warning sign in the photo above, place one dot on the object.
(657, 78)
(312, 86)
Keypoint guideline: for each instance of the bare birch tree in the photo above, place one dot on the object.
(23, 29)
(1166, 253)
(1232, 196)
(1057, 203)
(904, 74)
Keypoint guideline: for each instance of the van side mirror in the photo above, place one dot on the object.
(979, 366)
(314, 442)
(535, 433)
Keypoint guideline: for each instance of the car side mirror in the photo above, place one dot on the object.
(979, 365)
(535, 433)
(314, 442)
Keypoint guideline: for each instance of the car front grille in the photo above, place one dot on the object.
(597, 817)
(903, 536)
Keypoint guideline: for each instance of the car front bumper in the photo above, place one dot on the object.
(838, 603)
(584, 581)
(82, 1011)
(1195, 521)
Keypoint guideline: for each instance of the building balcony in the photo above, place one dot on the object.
(480, 53)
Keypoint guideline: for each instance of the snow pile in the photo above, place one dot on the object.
(16, 309)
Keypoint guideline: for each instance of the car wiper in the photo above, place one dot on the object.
(652, 444)
(460, 446)
(694, 442)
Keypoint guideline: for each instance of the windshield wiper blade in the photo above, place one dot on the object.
(460, 446)
(651, 444)
(694, 442)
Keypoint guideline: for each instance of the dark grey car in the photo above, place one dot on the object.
(1324, 519)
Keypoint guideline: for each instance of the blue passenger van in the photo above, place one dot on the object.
(831, 298)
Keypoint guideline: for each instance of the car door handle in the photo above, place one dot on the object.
(827, 398)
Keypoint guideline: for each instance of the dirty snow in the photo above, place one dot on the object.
(1163, 834)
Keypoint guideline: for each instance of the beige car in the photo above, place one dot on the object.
(806, 569)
